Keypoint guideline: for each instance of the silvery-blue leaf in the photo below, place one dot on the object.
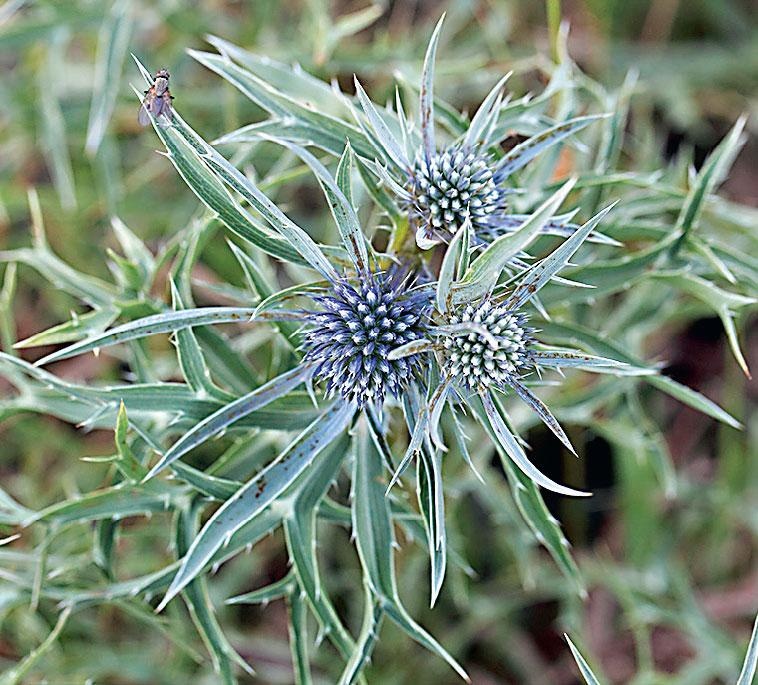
(558, 225)
(542, 411)
(406, 129)
(392, 149)
(152, 325)
(448, 268)
(525, 152)
(267, 593)
(344, 215)
(259, 492)
(375, 540)
(367, 638)
(426, 96)
(277, 219)
(542, 272)
(418, 433)
(389, 181)
(436, 405)
(429, 493)
(558, 359)
(486, 115)
(300, 536)
(513, 449)
(230, 413)
(485, 270)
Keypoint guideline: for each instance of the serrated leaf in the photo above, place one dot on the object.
(190, 355)
(344, 215)
(426, 95)
(276, 590)
(115, 502)
(90, 289)
(560, 359)
(391, 148)
(711, 174)
(298, 633)
(257, 493)
(165, 322)
(78, 327)
(720, 300)
(576, 335)
(516, 453)
(525, 152)
(367, 638)
(291, 80)
(277, 219)
(529, 285)
(300, 535)
(372, 525)
(231, 413)
(539, 408)
(483, 273)
(530, 503)
(210, 190)
(449, 264)
(486, 115)
(198, 602)
(322, 130)
(429, 492)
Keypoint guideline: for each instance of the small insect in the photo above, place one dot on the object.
(157, 99)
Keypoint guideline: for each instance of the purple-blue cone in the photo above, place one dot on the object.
(360, 322)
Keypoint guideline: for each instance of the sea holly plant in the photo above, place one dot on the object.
(341, 362)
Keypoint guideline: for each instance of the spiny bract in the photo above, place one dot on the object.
(359, 324)
(478, 360)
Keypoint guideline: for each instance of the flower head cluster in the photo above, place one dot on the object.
(492, 356)
(359, 323)
(449, 187)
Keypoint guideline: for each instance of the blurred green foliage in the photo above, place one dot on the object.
(667, 547)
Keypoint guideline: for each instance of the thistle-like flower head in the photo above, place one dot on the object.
(449, 187)
(442, 186)
(359, 322)
(491, 347)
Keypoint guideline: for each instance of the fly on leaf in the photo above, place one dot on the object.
(157, 99)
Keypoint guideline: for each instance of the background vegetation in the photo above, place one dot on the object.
(666, 547)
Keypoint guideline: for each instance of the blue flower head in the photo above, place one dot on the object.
(359, 323)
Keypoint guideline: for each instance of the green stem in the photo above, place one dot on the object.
(553, 26)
